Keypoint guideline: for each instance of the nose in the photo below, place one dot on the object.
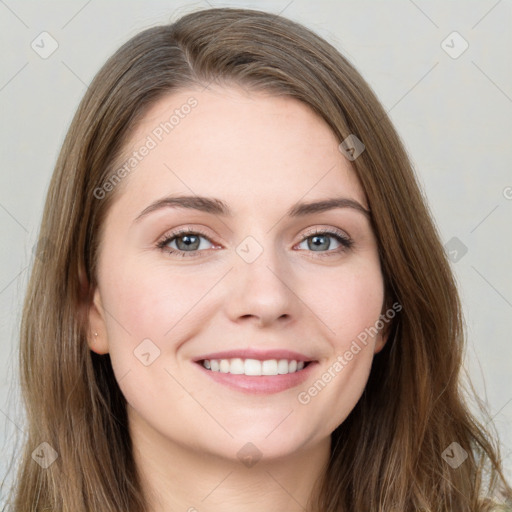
(262, 291)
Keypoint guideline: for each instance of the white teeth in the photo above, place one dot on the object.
(224, 366)
(252, 367)
(282, 366)
(269, 367)
(238, 366)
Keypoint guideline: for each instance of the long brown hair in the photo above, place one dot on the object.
(388, 454)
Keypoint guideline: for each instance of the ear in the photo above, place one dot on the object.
(97, 336)
(381, 340)
(94, 316)
(388, 322)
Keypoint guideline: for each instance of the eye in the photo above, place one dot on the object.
(321, 239)
(187, 242)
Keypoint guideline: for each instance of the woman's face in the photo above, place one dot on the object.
(261, 284)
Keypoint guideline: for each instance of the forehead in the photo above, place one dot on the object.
(239, 145)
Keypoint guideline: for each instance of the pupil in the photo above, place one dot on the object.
(188, 241)
(317, 241)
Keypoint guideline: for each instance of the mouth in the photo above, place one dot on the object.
(257, 372)
(254, 367)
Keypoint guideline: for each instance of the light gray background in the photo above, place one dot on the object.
(454, 115)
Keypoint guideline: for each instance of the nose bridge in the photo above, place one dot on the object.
(260, 281)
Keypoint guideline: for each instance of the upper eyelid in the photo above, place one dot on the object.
(326, 231)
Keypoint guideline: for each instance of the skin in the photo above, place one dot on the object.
(260, 154)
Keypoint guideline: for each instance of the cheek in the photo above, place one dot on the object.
(151, 301)
(350, 306)
(349, 302)
(338, 385)
(153, 309)
(150, 313)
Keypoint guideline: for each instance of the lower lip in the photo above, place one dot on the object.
(260, 384)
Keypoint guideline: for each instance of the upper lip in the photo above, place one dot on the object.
(260, 355)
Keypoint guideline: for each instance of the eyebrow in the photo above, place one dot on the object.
(218, 207)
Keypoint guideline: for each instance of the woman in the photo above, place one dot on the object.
(246, 304)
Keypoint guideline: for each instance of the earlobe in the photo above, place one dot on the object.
(97, 336)
(387, 325)
(382, 338)
(381, 342)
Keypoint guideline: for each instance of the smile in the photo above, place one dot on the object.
(254, 367)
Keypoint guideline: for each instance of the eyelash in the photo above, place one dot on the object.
(345, 241)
